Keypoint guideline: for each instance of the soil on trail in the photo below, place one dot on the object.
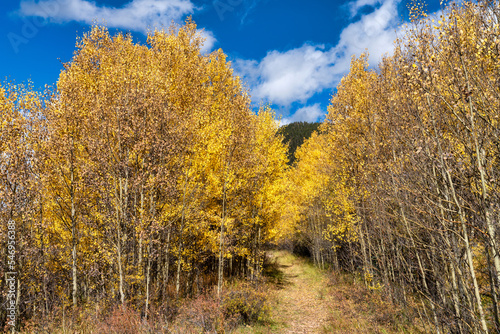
(302, 303)
(299, 303)
(305, 299)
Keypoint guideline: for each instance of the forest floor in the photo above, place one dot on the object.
(305, 299)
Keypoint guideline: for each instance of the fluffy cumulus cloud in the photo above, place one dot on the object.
(355, 6)
(209, 42)
(137, 15)
(375, 31)
(296, 75)
(306, 114)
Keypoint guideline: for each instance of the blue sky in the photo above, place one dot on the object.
(290, 53)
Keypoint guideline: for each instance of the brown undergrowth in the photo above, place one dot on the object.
(305, 299)
(242, 303)
(358, 309)
(292, 296)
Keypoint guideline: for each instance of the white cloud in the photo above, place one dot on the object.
(306, 114)
(375, 31)
(296, 75)
(355, 6)
(209, 42)
(137, 15)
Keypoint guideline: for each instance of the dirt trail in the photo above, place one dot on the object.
(304, 300)
(300, 298)
(301, 303)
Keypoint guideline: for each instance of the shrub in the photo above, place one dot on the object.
(203, 314)
(245, 302)
(122, 320)
(240, 304)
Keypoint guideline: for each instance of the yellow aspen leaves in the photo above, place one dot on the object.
(144, 167)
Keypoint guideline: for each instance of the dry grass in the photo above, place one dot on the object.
(299, 300)
(296, 297)
(357, 309)
(307, 300)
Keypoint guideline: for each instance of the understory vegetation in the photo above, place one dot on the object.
(142, 179)
(401, 183)
(143, 191)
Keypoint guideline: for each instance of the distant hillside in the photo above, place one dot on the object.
(294, 134)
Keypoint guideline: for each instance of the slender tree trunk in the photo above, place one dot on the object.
(494, 296)
(73, 255)
(73, 228)
(447, 176)
(456, 300)
(181, 241)
(470, 261)
(74, 273)
(363, 251)
(221, 243)
(486, 206)
(167, 261)
(148, 280)
(259, 263)
(422, 271)
(141, 215)
(120, 268)
(119, 214)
